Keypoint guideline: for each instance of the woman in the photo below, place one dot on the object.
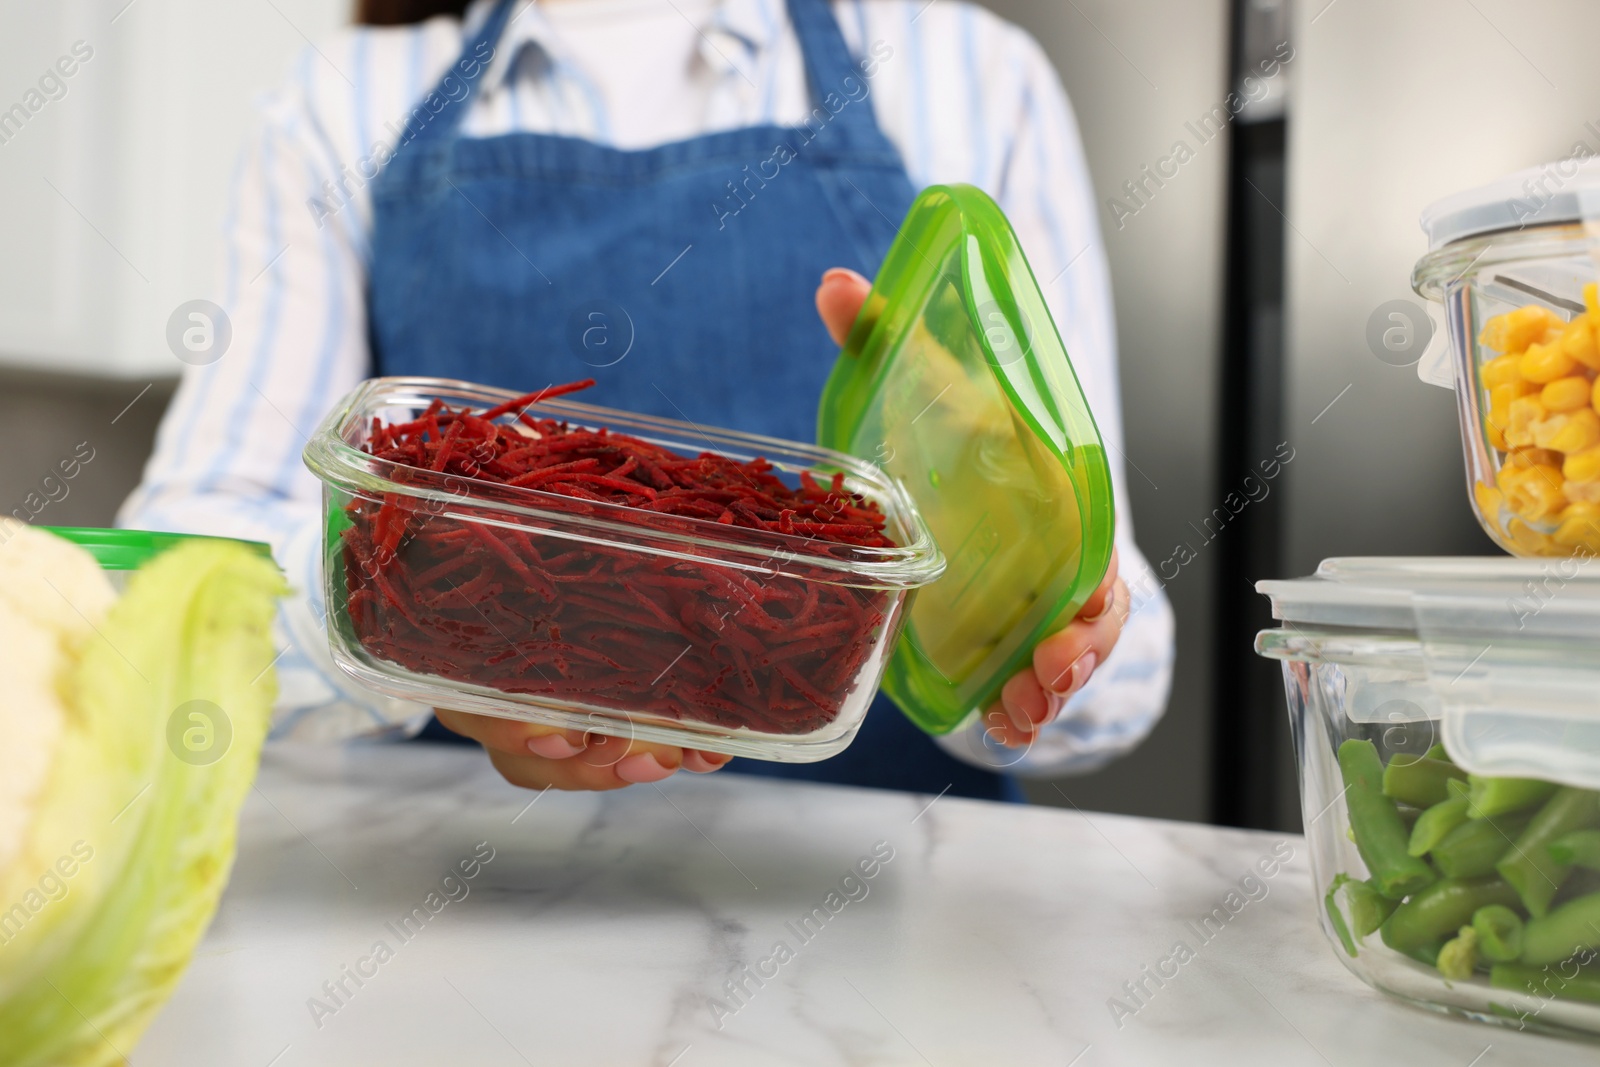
(473, 193)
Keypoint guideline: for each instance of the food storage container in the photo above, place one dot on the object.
(1446, 718)
(139, 684)
(955, 382)
(512, 601)
(1512, 267)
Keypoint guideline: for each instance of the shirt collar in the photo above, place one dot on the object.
(756, 24)
(734, 26)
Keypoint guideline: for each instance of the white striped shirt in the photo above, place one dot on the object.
(964, 96)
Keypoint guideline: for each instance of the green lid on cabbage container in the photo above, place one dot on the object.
(128, 550)
(955, 381)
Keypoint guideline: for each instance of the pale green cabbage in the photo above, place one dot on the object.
(148, 836)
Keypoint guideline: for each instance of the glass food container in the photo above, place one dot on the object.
(587, 615)
(1512, 267)
(1448, 736)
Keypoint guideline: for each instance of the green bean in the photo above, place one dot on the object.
(1472, 849)
(1356, 909)
(1441, 909)
(1428, 953)
(1581, 848)
(1380, 836)
(1528, 865)
(1573, 927)
(1496, 796)
(1434, 823)
(1584, 985)
(1499, 933)
(1580, 883)
(1341, 927)
(1459, 956)
(1418, 780)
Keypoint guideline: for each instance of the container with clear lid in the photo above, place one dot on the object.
(1446, 717)
(1513, 267)
(510, 601)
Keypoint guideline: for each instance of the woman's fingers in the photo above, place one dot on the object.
(1100, 599)
(1022, 710)
(1064, 661)
(539, 756)
(513, 737)
(1000, 727)
(1062, 664)
(698, 762)
(839, 300)
(536, 772)
(635, 762)
(1024, 699)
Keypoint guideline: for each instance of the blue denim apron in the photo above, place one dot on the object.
(679, 277)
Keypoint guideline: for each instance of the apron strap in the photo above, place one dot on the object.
(831, 70)
(443, 124)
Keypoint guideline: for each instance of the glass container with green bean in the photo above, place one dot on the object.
(1496, 881)
(1451, 809)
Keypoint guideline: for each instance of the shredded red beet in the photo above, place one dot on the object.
(537, 609)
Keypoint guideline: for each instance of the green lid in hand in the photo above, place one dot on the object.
(954, 380)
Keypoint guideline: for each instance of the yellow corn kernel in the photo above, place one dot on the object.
(1545, 363)
(1591, 300)
(1498, 417)
(1489, 499)
(1521, 415)
(1578, 536)
(1520, 461)
(1502, 370)
(1581, 492)
(1573, 431)
(1578, 342)
(1501, 396)
(1582, 466)
(1579, 526)
(1514, 331)
(1565, 394)
(1530, 542)
(1536, 493)
(1527, 458)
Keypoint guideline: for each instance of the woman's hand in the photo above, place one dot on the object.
(1062, 662)
(541, 757)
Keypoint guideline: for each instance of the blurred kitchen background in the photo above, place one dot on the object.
(1244, 283)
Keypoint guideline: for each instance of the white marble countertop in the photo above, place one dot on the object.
(604, 928)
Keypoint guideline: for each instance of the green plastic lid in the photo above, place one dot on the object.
(128, 550)
(955, 381)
